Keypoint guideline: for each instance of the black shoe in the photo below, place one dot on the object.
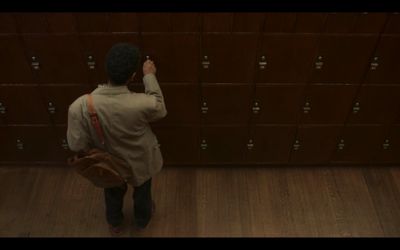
(141, 224)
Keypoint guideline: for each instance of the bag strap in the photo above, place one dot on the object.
(95, 119)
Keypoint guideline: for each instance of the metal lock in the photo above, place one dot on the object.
(35, 63)
(296, 145)
(204, 108)
(319, 63)
(51, 108)
(386, 144)
(262, 63)
(205, 62)
(91, 63)
(2, 109)
(250, 144)
(256, 108)
(374, 63)
(64, 144)
(306, 108)
(203, 144)
(20, 145)
(340, 145)
(356, 108)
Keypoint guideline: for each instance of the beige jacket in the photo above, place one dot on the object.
(125, 118)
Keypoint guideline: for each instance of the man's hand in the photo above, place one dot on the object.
(149, 67)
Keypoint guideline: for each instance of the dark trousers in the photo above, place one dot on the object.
(114, 198)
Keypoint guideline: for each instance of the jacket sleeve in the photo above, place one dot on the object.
(156, 108)
(78, 136)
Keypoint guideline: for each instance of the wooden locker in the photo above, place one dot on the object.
(23, 105)
(217, 22)
(286, 58)
(228, 58)
(176, 56)
(370, 22)
(155, 22)
(358, 144)
(182, 103)
(248, 22)
(310, 22)
(280, 22)
(343, 59)
(314, 144)
(123, 22)
(185, 22)
(277, 104)
(384, 65)
(92, 22)
(59, 98)
(31, 22)
(61, 22)
(14, 65)
(270, 143)
(340, 22)
(389, 150)
(327, 103)
(58, 58)
(60, 151)
(179, 144)
(7, 23)
(393, 23)
(225, 104)
(223, 144)
(376, 104)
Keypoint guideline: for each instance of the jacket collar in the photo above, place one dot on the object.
(105, 89)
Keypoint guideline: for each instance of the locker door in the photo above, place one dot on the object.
(314, 144)
(217, 22)
(340, 22)
(7, 23)
(248, 22)
(384, 65)
(176, 56)
(228, 58)
(277, 103)
(92, 22)
(310, 22)
(343, 58)
(369, 22)
(185, 22)
(280, 22)
(179, 144)
(31, 22)
(59, 98)
(328, 103)
(225, 104)
(61, 22)
(95, 49)
(224, 144)
(123, 22)
(59, 58)
(182, 103)
(23, 105)
(155, 22)
(358, 143)
(376, 104)
(14, 66)
(286, 58)
(393, 23)
(60, 151)
(389, 150)
(270, 144)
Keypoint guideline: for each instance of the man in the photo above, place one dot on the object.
(124, 117)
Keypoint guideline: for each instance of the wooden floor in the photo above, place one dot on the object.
(211, 202)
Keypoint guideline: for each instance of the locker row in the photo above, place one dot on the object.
(228, 144)
(200, 22)
(222, 104)
(211, 58)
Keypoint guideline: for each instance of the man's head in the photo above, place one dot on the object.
(122, 62)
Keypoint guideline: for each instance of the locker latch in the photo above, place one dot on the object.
(386, 144)
(20, 145)
(319, 63)
(64, 144)
(203, 144)
(204, 108)
(296, 145)
(306, 108)
(205, 62)
(340, 145)
(2, 109)
(91, 63)
(374, 63)
(256, 108)
(51, 108)
(35, 63)
(263, 62)
(356, 108)
(250, 144)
